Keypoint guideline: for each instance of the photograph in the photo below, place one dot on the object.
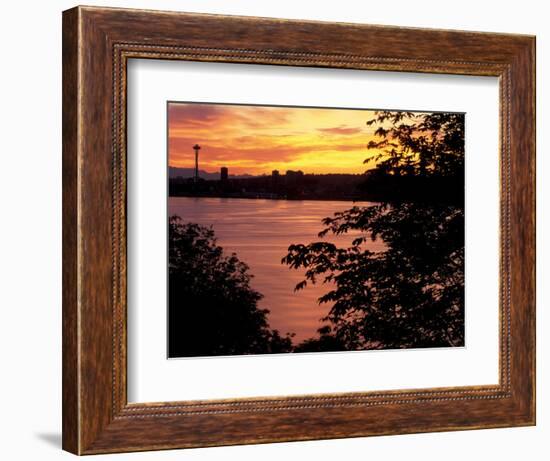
(313, 229)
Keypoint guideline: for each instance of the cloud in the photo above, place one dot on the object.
(219, 151)
(253, 139)
(188, 116)
(193, 113)
(342, 129)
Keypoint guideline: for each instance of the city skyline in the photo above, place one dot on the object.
(188, 172)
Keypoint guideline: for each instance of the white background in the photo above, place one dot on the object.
(30, 243)
(153, 378)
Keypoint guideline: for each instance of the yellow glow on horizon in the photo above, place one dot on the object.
(258, 139)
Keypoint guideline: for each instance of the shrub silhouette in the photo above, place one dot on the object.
(212, 308)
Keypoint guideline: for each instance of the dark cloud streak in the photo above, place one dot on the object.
(340, 130)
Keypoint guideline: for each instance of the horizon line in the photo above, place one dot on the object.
(282, 173)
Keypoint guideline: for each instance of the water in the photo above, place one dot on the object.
(259, 232)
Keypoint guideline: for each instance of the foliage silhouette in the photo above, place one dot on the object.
(212, 308)
(411, 294)
(326, 341)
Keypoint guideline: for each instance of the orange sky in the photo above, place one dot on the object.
(259, 139)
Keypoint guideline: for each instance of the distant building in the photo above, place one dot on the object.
(275, 180)
(294, 177)
(196, 148)
(294, 174)
(224, 173)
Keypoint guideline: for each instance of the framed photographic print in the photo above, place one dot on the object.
(280, 230)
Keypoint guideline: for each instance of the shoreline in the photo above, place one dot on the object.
(291, 199)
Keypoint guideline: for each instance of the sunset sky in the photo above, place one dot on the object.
(259, 139)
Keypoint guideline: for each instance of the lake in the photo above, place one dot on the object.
(259, 232)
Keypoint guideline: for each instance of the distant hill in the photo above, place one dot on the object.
(174, 172)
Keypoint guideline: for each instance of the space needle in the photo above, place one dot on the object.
(197, 148)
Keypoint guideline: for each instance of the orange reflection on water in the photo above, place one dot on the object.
(259, 232)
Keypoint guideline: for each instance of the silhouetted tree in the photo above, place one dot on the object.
(418, 144)
(212, 308)
(410, 294)
(326, 341)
